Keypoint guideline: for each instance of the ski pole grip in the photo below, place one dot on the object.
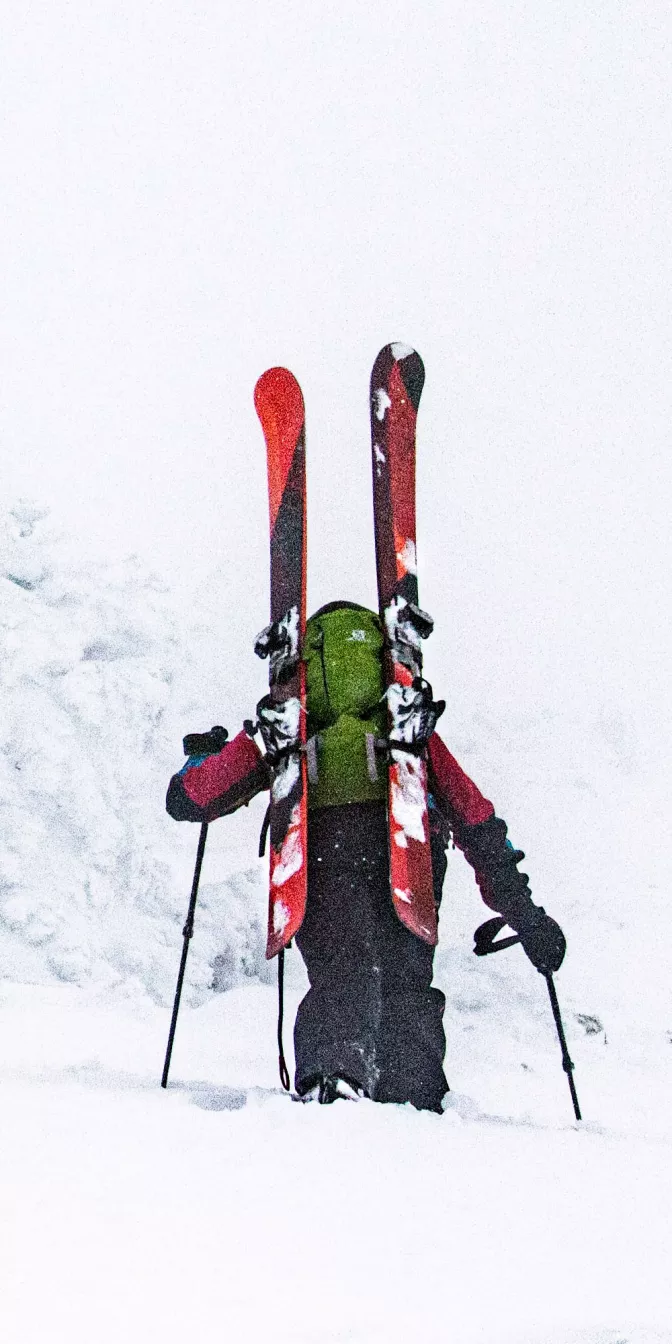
(484, 937)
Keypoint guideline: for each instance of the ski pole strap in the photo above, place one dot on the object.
(566, 1061)
(484, 937)
(282, 1063)
(264, 832)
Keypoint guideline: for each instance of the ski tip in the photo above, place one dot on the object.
(278, 401)
(410, 367)
(277, 390)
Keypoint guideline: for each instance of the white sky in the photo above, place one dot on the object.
(195, 191)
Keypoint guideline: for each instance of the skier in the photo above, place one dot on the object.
(371, 1022)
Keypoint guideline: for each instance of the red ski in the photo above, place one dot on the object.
(397, 380)
(282, 714)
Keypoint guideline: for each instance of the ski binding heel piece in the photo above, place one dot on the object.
(413, 715)
(406, 625)
(279, 725)
(279, 642)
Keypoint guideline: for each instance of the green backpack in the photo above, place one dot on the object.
(342, 652)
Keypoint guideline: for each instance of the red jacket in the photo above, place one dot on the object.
(210, 786)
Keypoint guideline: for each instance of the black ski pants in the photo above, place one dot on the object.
(370, 1015)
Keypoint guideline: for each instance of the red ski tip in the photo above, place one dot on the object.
(277, 395)
(278, 401)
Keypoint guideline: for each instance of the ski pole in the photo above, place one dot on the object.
(187, 933)
(566, 1061)
(484, 943)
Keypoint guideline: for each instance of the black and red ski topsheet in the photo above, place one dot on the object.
(279, 405)
(396, 385)
(397, 380)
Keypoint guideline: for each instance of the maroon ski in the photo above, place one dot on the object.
(397, 380)
(282, 713)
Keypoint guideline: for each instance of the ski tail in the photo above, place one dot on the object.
(397, 381)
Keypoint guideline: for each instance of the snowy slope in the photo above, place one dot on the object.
(103, 1172)
(99, 679)
(192, 193)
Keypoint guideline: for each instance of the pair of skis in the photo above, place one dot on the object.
(397, 380)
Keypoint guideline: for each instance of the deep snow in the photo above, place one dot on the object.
(224, 1207)
(222, 1203)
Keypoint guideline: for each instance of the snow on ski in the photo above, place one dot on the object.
(282, 714)
(397, 380)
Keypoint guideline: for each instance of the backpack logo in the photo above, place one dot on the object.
(357, 637)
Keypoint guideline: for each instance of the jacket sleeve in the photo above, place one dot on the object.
(477, 832)
(208, 787)
(455, 793)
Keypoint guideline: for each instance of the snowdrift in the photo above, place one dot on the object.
(94, 878)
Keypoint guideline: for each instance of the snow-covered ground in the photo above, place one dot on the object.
(222, 1206)
(192, 194)
(222, 1203)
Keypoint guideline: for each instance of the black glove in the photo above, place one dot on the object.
(205, 744)
(485, 846)
(541, 938)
